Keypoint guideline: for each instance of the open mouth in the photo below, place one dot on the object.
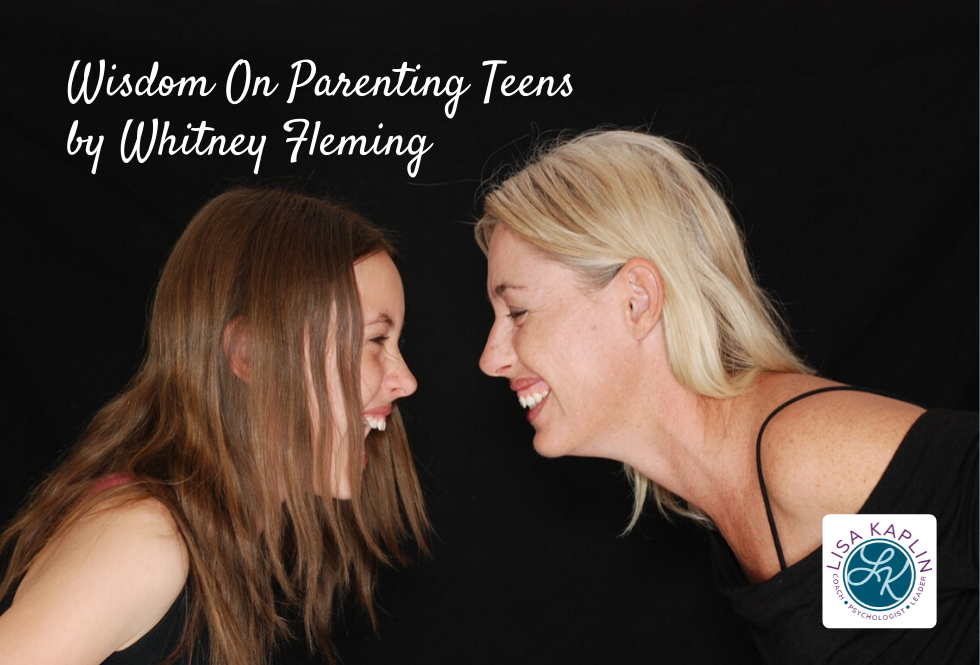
(532, 400)
(376, 418)
(532, 393)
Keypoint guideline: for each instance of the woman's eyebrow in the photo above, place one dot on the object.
(503, 286)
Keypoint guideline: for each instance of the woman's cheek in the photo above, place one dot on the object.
(526, 343)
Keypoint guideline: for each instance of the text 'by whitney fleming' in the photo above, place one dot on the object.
(146, 138)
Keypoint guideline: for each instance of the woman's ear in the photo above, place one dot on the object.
(645, 295)
(236, 344)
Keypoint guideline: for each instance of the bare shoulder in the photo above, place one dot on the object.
(97, 587)
(825, 454)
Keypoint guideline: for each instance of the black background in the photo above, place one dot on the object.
(846, 133)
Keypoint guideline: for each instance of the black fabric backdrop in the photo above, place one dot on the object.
(847, 137)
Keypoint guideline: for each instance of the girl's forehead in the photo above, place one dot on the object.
(379, 287)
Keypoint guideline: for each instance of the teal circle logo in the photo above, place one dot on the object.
(879, 574)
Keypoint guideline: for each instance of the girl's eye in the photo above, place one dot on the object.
(381, 339)
(516, 314)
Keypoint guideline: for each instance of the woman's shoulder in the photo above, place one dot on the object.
(98, 586)
(826, 452)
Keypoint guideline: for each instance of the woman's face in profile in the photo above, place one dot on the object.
(384, 375)
(561, 347)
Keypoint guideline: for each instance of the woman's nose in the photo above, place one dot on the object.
(498, 354)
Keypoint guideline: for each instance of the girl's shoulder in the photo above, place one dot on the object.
(102, 583)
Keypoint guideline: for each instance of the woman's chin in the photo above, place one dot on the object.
(548, 447)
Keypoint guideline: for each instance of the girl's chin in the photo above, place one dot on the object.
(343, 494)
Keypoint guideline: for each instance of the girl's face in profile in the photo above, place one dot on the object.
(384, 375)
(560, 346)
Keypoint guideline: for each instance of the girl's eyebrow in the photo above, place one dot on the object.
(382, 318)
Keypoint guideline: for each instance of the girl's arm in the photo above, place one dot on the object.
(97, 587)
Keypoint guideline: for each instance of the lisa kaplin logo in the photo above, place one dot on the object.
(879, 571)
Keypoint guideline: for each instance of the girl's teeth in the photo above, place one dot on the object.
(375, 423)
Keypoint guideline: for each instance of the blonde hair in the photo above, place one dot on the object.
(233, 460)
(599, 199)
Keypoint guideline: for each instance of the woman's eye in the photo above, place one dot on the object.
(516, 314)
(381, 339)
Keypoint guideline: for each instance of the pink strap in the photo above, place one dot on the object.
(114, 480)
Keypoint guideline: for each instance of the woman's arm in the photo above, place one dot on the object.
(96, 588)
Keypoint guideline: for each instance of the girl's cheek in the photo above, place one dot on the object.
(372, 373)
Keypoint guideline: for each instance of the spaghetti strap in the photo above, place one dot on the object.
(758, 455)
(113, 480)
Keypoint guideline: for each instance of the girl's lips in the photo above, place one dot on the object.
(376, 418)
(382, 411)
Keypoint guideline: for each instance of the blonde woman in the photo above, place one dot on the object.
(628, 323)
(259, 447)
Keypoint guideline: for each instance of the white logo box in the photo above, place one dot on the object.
(879, 571)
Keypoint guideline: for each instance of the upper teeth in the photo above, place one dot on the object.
(532, 400)
(375, 423)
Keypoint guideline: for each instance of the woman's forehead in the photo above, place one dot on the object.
(508, 251)
(516, 265)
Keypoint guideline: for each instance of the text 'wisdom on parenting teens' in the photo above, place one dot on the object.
(91, 84)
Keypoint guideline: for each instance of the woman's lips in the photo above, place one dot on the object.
(536, 409)
(532, 392)
(523, 383)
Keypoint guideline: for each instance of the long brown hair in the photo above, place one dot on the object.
(233, 460)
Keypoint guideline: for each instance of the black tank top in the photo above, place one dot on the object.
(933, 471)
(155, 645)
